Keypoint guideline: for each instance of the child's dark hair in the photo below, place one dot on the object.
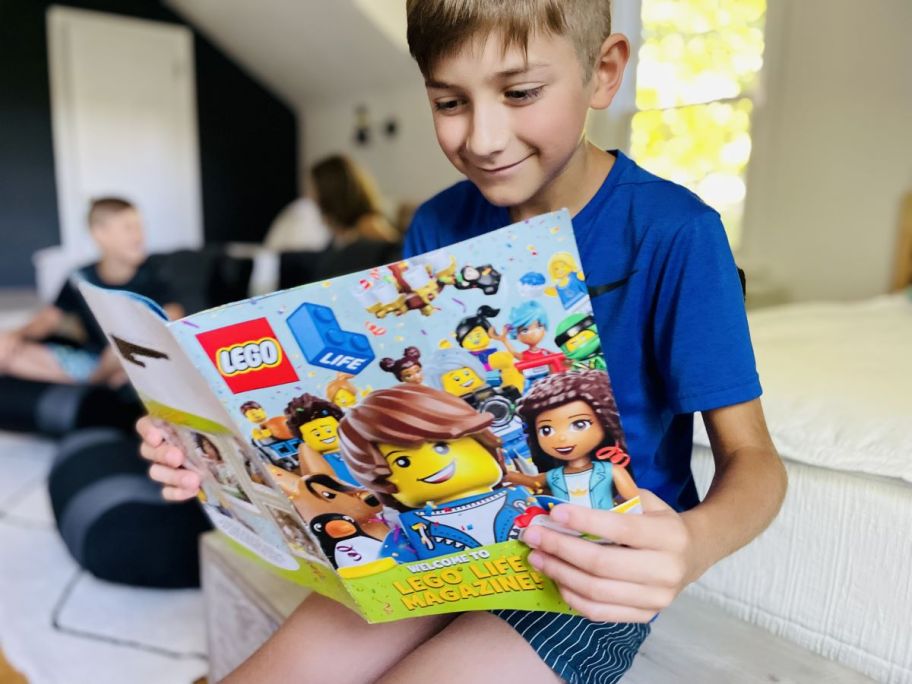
(439, 28)
(306, 408)
(590, 386)
(410, 357)
(102, 208)
(480, 319)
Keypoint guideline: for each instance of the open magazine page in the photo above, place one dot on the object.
(420, 415)
(237, 493)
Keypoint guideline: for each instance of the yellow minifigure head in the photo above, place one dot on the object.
(461, 381)
(321, 434)
(561, 264)
(476, 338)
(343, 398)
(315, 420)
(417, 445)
(578, 341)
(438, 472)
(341, 391)
(253, 412)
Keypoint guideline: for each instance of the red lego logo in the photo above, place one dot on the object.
(248, 356)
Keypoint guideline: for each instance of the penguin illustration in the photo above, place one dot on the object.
(343, 541)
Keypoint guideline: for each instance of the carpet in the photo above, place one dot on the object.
(60, 625)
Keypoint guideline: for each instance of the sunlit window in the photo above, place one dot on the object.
(696, 81)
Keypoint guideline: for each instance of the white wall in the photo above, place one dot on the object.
(408, 167)
(832, 149)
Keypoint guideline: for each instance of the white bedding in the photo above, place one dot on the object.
(837, 383)
(833, 573)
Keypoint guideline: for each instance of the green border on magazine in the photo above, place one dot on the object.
(495, 576)
(189, 420)
(315, 576)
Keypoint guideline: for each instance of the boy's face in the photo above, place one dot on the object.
(120, 237)
(511, 125)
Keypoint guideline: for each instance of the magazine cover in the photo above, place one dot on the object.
(385, 437)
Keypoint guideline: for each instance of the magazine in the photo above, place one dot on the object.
(385, 437)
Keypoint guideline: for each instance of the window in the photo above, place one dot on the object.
(696, 85)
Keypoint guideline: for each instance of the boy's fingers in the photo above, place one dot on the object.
(167, 455)
(171, 477)
(149, 432)
(602, 612)
(176, 494)
(602, 590)
(660, 528)
(642, 566)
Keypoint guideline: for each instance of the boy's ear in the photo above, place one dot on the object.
(608, 70)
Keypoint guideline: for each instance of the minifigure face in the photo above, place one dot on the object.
(255, 415)
(343, 398)
(321, 435)
(560, 269)
(531, 334)
(413, 374)
(570, 431)
(461, 381)
(477, 338)
(436, 472)
(581, 344)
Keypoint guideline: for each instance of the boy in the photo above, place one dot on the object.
(79, 351)
(510, 83)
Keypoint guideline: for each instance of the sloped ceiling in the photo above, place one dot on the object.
(308, 51)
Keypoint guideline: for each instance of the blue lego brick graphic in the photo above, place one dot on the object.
(325, 344)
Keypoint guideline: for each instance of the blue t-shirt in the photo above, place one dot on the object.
(667, 301)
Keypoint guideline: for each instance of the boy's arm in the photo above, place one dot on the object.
(661, 551)
(41, 325)
(747, 488)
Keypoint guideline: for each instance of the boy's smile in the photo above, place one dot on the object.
(514, 125)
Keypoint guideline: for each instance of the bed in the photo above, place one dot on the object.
(834, 571)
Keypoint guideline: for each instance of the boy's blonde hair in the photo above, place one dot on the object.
(438, 28)
(103, 208)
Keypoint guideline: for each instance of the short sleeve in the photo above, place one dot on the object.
(68, 299)
(702, 343)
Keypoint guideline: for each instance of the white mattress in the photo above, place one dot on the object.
(837, 381)
(834, 570)
(832, 573)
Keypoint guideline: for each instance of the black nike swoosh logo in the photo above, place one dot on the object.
(596, 290)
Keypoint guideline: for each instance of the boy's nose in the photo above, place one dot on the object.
(489, 132)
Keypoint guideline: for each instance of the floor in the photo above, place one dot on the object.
(59, 625)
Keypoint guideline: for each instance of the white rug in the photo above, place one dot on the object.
(59, 625)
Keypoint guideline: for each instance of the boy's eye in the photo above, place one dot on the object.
(580, 425)
(403, 462)
(442, 448)
(446, 105)
(523, 96)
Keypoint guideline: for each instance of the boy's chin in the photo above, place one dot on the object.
(502, 196)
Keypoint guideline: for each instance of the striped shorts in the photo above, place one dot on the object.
(578, 650)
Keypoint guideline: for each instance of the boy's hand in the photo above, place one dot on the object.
(9, 342)
(167, 468)
(653, 560)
